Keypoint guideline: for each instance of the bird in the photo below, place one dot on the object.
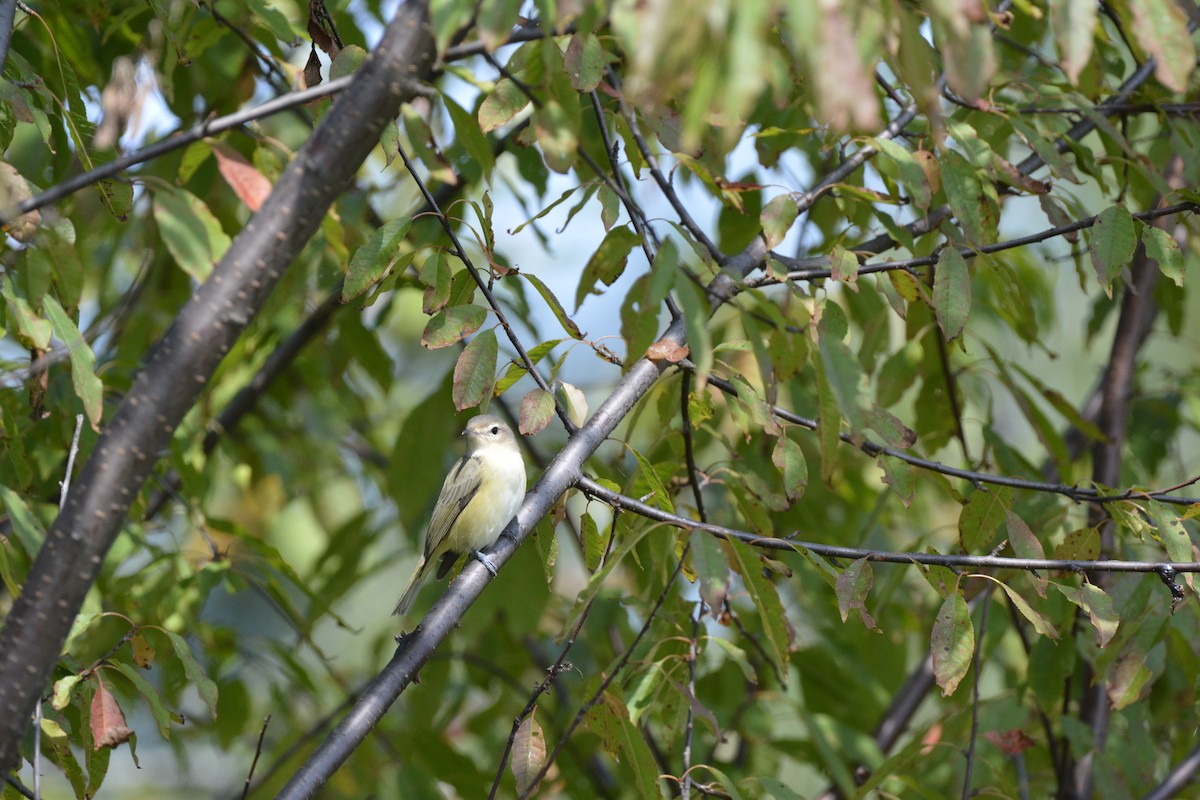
(479, 496)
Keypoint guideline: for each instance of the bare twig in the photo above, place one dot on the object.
(257, 752)
(591, 487)
(610, 676)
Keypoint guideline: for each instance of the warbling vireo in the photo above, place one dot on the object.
(481, 494)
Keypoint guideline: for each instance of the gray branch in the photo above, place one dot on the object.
(181, 364)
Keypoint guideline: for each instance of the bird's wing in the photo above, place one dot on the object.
(461, 485)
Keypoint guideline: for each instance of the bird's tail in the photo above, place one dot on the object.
(414, 587)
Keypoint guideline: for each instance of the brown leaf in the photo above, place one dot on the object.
(321, 38)
(1011, 742)
(312, 69)
(247, 183)
(666, 350)
(107, 721)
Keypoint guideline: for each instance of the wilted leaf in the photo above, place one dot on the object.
(573, 401)
(14, 190)
(1111, 244)
(88, 387)
(107, 721)
(1161, 27)
(777, 217)
(952, 292)
(370, 261)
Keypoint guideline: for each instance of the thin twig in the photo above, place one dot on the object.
(611, 676)
(65, 484)
(1080, 494)
(811, 269)
(594, 489)
(257, 752)
(485, 288)
(970, 755)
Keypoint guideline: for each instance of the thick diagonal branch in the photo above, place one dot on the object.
(179, 367)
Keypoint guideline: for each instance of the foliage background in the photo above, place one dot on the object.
(257, 566)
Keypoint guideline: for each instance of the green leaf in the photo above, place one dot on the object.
(163, 716)
(745, 561)
(556, 307)
(1111, 244)
(1170, 531)
(788, 458)
(584, 61)
(1099, 608)
(952, 643)
(516, 370)
(192, 234)
(952, 292)
(899, 164)
(647, 472)
(843, 372)
(712, 570)
(58, 744)
(32, 330)
(1040, 623)
(204, 686)
(451, 325)
(595, 541)
(894, 432)
(1079, 545)
(88, 387)
(900, 476)
(502, 105)
(470, 136)
(965, 195)
(609, 719)
(435, 274)
(777, 217)
(1162, 248)
(844, 265)
(983, 513)
(607, 263)
(371, 261)
(475, 371)
(347, 62)
(1026, 545)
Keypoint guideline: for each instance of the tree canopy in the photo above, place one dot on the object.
(849, 342)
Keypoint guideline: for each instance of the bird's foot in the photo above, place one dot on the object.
(510, 535)
(487, 562)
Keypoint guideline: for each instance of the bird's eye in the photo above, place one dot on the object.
(495, 429)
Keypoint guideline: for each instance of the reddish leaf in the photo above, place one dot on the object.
(107, 721)
(247, 183)
(537, 409)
